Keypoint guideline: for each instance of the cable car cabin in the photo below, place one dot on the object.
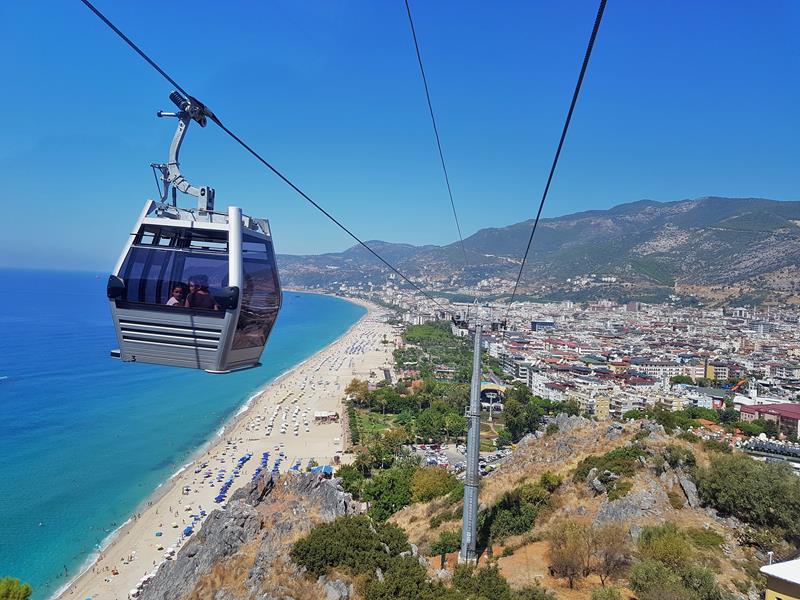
(196, 289)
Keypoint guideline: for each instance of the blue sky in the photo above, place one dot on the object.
(682, 99)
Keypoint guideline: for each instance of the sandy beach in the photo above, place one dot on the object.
(280, 421)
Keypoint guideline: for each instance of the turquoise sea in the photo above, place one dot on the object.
(85, 438)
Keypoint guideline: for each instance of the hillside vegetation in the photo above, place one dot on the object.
(714, 248)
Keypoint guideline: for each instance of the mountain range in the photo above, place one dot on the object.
(745, 249)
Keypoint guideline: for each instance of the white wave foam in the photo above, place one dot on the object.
(91, 559)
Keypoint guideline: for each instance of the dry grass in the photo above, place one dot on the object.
(230, 574)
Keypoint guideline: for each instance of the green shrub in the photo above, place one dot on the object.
(678, 456)
(404, 579)
(14, 589)
(667, 545)
(456, 495)
(608, 593)
(486, 582)
(388, 491)
(619, 489)
(653, 580)
(550, 481)
(715, 446)
(765, 495)
(688, 436)
(448, 541)
(622, 461)
(534, 592)
(551, 429)
(428, 483)
(705, 539)
(352, 542)
(352, 480)
(516, 511)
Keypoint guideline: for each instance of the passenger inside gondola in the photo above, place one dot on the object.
(178, 297)
(199, 295)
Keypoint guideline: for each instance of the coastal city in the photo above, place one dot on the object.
(401, 301)
(611, 358)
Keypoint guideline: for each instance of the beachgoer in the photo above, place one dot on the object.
(178, 297)
(199, 296)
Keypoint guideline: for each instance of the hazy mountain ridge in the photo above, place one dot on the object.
(738, 243)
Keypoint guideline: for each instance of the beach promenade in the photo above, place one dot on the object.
(277, 432)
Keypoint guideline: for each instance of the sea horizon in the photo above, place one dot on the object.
(89, 439)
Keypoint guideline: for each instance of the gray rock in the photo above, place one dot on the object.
(269, 513)
(379, 574)
(581, 510)
(562, 449)
(646, 503)
(443, 575)
(592, 474)
(414, 550)
(597, 486)
(614, 430)
(336, 590)
(689, 489)
(567, 423)
(653, 427)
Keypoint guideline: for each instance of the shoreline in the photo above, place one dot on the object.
(231, 426)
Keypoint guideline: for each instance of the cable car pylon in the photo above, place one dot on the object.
(472, 479)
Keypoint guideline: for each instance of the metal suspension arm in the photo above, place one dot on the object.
(190, 110)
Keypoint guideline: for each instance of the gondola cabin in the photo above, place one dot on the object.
(196, 289)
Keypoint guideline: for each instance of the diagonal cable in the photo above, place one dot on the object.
(258, 157)
(436, 132)
(575, 94)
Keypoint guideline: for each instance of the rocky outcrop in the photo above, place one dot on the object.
(567, 423)
(648, 503)
(254, 532)
(689, 489)
(222, 535)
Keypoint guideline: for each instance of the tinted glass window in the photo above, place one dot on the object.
(181, 279)
(260, 296)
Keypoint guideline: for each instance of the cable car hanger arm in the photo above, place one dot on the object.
(190, 110)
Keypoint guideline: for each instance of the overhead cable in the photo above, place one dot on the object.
(258, 157)
(436, 132)
(575, 94)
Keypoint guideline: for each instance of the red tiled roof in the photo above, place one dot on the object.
(790, 411)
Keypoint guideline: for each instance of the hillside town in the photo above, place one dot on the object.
(613, 358)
